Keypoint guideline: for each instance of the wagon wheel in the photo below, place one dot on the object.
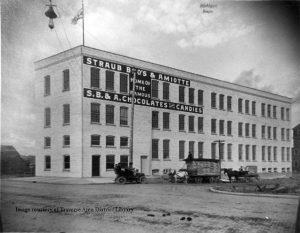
(141, 180)
(121, 180)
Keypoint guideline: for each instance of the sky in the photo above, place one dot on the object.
(251, 43)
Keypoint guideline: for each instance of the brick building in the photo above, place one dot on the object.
(296, 149)
(83, 108)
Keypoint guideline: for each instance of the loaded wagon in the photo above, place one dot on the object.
(201, 169)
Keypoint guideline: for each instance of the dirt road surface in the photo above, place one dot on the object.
(151, 208)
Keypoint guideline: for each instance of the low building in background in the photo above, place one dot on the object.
(83, 118)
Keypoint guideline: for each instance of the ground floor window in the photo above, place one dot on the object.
(124, 160)
(67, 162)
(110, 162)
(154, 148)
(47, 162)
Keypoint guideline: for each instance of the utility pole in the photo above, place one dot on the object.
(132, 118)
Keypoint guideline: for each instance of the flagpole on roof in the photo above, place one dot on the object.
(82, 23)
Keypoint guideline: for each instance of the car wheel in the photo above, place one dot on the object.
(121, 180)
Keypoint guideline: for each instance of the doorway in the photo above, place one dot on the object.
(96, 165)
(144, 164)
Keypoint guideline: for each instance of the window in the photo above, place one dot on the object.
(47, 117)
(66, 80)
(166, 120)
(269, 132)
(263, 132)
(110, 80)
(95, 77)
(253, 108)
(263, 113)
(191, 147)
(288, 154)
(123, 141)
(274, 112)
(269, 153)
(213, 126)
(282, 154)
(263, 169)
(181, 122)
(67, 162)
(254, 153)
(275, 169)
(269, 110)
(254, 131)
(247, 152)
(166, 149)
(181, 93)
(221, 102)
(287, 134)
(213, 100)
(200, 97)
(282, 134)
(47, 142)
(181, 149)
(229, 103)
(95, 113)
(263, 153)
(287, 114)
(110, 141)
(240, 105)
(247, 129)
(154, 119)
(66, 117)
(274, 133)
(166, 87)
(47, 86)
(154, 148)
(288, 169)
(123, 116)
(124, 161)
(229, 152)
(66, 141)
(275, 153)
(110, 116)
(269, 170)
(110, 162)
(229, 128)
(123, 83)
(200, 149)
(240, 152)
(47, 162)
(221, 127)
(191, 95)
(213, 150)
(191, 123)
(200, 124)
(221, 147)
(247, 106)
(240, 129)
(283, 170)
(95, 140)
(282, 113)
(154, 89)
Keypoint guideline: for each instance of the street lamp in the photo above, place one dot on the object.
(220, 142)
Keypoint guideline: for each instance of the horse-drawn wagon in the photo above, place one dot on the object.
(201, 169)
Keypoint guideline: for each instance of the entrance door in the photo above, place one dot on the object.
(144, 164)
(96, 165)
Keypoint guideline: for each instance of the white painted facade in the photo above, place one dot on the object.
(80, 127)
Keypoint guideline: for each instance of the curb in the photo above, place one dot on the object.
(211, 189)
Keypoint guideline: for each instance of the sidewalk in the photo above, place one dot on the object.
(63, 180)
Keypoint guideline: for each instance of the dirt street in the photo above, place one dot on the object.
(139, 208)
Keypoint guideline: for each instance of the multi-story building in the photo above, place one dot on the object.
(296, 149)
(84, 108)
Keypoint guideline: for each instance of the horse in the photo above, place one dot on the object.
(181, 176)
(235, 174)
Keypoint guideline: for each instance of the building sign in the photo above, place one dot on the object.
(103, 95)
(141, 73)
(142, 85)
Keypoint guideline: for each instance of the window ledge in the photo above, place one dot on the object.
(108, 124)
(96, 123)
(47, 126)
(124, 147)
(182, 131)
(229, 135)
(45, 95)
(47, 147)
(98, 146)
(66, 170)
(65, 124)
(155, 159)
(229, 110)
(64, 90)
(222, 109)
(167, 159)
(213, 133)
(200, 132)
(111, 147)
(166, 130)
(222, 134)
(155, 128)
(126, 126)
(96, 88)
(191, 131)
(213, 107)
(47, 169)
(66, 146)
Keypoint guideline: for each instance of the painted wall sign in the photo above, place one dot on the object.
(147, 74)
(103, 95)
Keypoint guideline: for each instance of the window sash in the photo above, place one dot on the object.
(154, 148)
(95, 77)
(229, 127)
(200, 149)
(124, 161)
(213, 100)
(166, 149)
(221, 127)
(181, 149)
(47, 162)
(110, 141)
(110, 162)
(47, 142)
(109, 84)
(155, 119)
(229, 103)
(67, 162)
(254, 153)
(123, 141)
(191, 95)
(200, 97)
(66, 110)
(221, 102)
(95, 140)
(181, 122)
(200, 124)
(110, 116)
(191, 123)
(191, 147)
(124, 83)
(66, 140)
(181, 93)
(47, 87)
(166, 120)
(47, 117)
(123, 116)
(166, 91)
(66, 80)
(154, 89)
(213, 126)
(229, 151)
(95, 113)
